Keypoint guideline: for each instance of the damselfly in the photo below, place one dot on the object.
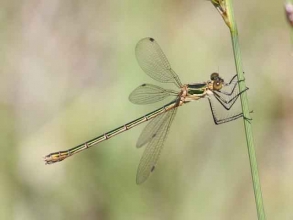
(154, 63)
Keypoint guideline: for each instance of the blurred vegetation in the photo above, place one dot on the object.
(67, 69)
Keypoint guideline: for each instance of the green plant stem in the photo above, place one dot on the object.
(246, 112)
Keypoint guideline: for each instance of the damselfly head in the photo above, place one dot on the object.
(217, 81)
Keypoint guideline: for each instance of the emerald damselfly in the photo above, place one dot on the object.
(154, 63)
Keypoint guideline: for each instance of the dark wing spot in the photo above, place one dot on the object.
(143, 84)
(152, 39)
(153, 168)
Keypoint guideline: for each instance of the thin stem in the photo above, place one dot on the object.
(246, 113)
(229, 16)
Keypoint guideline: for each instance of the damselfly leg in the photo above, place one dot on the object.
(227, 98)
(220, 120)
(227, 101)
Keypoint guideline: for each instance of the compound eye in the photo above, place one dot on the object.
(214, 76)
(217, 85)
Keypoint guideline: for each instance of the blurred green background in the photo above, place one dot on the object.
(67, 68)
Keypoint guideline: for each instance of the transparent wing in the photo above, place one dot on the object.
(148, 93)
(151, 129)
(153, 61)
(152, 152)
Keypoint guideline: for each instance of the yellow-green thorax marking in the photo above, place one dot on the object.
(200, 90)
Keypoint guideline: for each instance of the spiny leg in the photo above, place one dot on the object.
(227, 103)
(222, 120)
(232, 81)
